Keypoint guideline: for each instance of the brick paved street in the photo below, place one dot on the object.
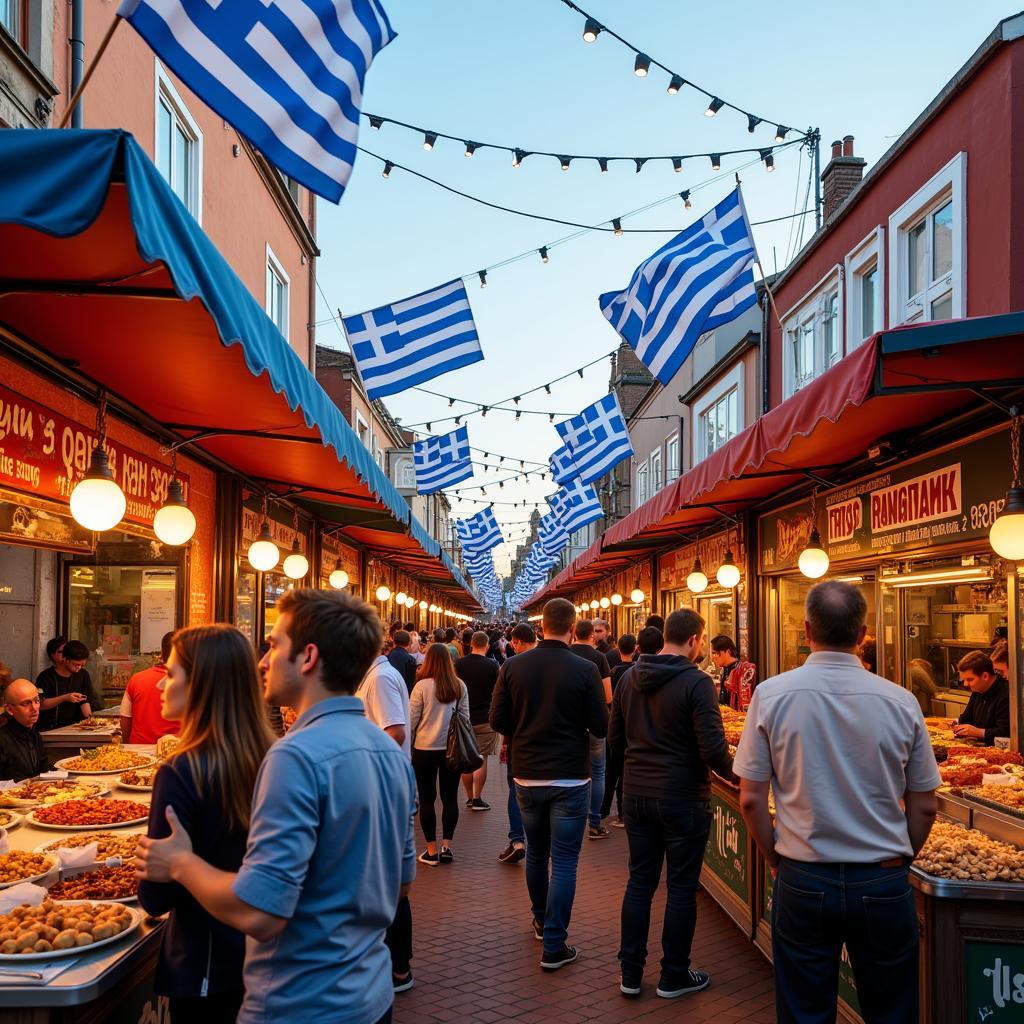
(476, 961)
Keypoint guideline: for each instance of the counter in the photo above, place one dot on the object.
(69, 739)
(729, 858)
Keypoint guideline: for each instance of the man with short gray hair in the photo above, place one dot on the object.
(847, 756)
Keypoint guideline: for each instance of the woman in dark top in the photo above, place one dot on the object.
(212, 686)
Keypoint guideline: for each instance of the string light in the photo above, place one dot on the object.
(675, 85)
(564, 161)
(543, 250)
(781, 132)
(716, 161)
(617, 225)
(641, 65)
(429, 138)
(482, 274)
(769, 160)
(714, 107)
(752, 123)
(602, 163)
(677, 164)
(388, 168)
(591, 30)
(685, 196)
(518, 156)
(375, 121)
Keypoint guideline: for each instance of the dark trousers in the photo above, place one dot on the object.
(674, 832)
(612, 781)
(221, 1008)
(555, 818)
(431, 769)
(515, 819)
(816, 908)
(398, 938)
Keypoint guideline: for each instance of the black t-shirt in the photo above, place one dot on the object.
(593, 655)
(51, 683)
(479, 673)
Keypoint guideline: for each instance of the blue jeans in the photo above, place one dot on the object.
(515, 819)
(675, 832)
(555, 818)
(597, 765)
(816, 908)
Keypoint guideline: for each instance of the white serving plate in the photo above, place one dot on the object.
(54, 864)
(20, 958)
(15, 818)
(31, 818)
(62, 764)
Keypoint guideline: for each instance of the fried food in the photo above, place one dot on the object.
(141, 777)
(90, 812)
(733, 722)
(54, 926)
(49, 791)
(19, 865)
(1008, 796)
(969, 855)
(109, 844)
(108, 758)
(101, 884)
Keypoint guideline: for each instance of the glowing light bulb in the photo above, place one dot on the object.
(97, 503)
(174, 522)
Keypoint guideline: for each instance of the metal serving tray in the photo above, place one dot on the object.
(954, 888)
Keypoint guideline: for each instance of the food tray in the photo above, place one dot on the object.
(965, 889)
(67, 876)
(133, 788)
(1014, 812)
(54, 864)
(23, 958)
(45, 847)
(62, 764)
(86, 828)
(101, 789)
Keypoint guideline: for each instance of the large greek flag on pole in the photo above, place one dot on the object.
(701, 279)
(442, 461)
(596, 439)
(416, 339)
(576, 505)
(287, 74)
(479, 533)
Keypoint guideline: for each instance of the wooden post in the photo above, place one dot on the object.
(77, 94)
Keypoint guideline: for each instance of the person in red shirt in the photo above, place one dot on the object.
(141, 720)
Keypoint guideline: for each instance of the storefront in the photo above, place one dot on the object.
(341, 565)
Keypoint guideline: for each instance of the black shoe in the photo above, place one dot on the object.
(402, 984)
(691, 981)
(597, 832)
(538, 930)
(561, 957)
(429, 858)
(446, 856)
(479, 805)
(512, 854)
(629, 983)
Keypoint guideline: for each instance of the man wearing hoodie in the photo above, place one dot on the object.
(665, 717)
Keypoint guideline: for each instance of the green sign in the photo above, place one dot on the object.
(766, 894)
(995, 982)
(847, 985)
(726, 854)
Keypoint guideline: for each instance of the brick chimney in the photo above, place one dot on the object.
(841, 176)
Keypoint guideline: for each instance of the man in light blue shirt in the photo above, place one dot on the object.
(330, 843)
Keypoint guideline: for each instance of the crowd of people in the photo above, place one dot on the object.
(286, 861)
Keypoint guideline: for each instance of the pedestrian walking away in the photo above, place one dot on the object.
(479, 673)
(583, 632)
(613, 776)
(840, 849)
(549, 702)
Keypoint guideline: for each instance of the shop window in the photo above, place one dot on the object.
(813, 333)
(178, 147)
(654, 471)
(929, 265)
(718, 414)
(672, 459)
(277, 293)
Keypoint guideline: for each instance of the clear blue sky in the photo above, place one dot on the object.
(520, 74)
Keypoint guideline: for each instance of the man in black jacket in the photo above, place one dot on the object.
(665, 716)
(548, 702)
(401, 658)
(21, 749)
(987, 714)
(583, 631)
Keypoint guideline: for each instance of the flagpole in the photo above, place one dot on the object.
(100, 50)
(757, 258)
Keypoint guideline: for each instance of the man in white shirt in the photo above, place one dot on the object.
(386, 700)
(847, 756)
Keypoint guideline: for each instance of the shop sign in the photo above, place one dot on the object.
(995, 981)
(40, 524)
(283, 534)
(727, 852)
(44, 454)
(331, 549)
(948, 498)
(674, 567)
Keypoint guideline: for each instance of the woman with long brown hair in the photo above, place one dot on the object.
(438, 694)
(213, 688)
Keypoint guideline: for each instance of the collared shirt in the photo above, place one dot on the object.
(840, 747)
(386, 699)
(330, 844)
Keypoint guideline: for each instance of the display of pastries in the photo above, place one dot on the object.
(969, 855)
(1009, 796)
(49, 791)
(108, 758)
(18, 865)
(733, 722)
(102, 884)
(53, 926)
(109, 844)
(82, 813)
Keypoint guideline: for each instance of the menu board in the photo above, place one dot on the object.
(727, 852)
(994, 985)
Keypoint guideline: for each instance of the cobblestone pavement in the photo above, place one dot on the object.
(476, 961)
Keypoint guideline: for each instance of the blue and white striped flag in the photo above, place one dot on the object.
(287, 75)
(701, 279)
(576, 505)
(416, 339)
(563, 469)
(551, 535)
(480, 532)
(442, 461)
(596, 439)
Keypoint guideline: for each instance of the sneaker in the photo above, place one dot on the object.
(597, 832)
(561, 957)
(479, 805)
(429, 858)
(402, 984)
(446, 856)
(512, 854)
(619, 823)
(629, 983)
(692, 981)
(538, 930)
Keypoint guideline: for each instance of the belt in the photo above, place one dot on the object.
(895, 862)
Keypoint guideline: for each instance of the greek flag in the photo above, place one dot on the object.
(551, 535)
(416, 339)
(701, 279)
(287, 74)
(576, 505)
(596, 439)
(563, 469)
(442, 461)
(479, 533)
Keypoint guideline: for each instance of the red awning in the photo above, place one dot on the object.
(896, 382)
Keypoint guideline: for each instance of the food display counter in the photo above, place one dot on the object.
(112, 985)
(729, 861)
(69, 739)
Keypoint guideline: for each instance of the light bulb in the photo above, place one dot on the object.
(423, 606)
(338, 579)
(604, 602)
(410, 602)
(400, 597)
(1007, 533)
(296, 565)
(97, 503)
(591, 30)
(697, 581)
(616, 599)
(728, 574)
(813, 560)
(713, 107)
(641, 65)
(675, 85)
(263, 553)
(174, 522)
(383, 593)
(636, 595)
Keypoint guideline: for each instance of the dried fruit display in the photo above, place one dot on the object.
(969, 855)
(733, 722)
(1011, 797)
(990, 755)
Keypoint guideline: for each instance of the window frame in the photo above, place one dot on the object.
(948, 184)
(275, 268)
(164, 91)
(734, 379)
(867, 256)
(672, 465)
(642, 479)
(655, 474)
(812, 309)
(362, 425)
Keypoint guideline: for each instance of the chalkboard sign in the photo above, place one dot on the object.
(727, 852)
(995, 982)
